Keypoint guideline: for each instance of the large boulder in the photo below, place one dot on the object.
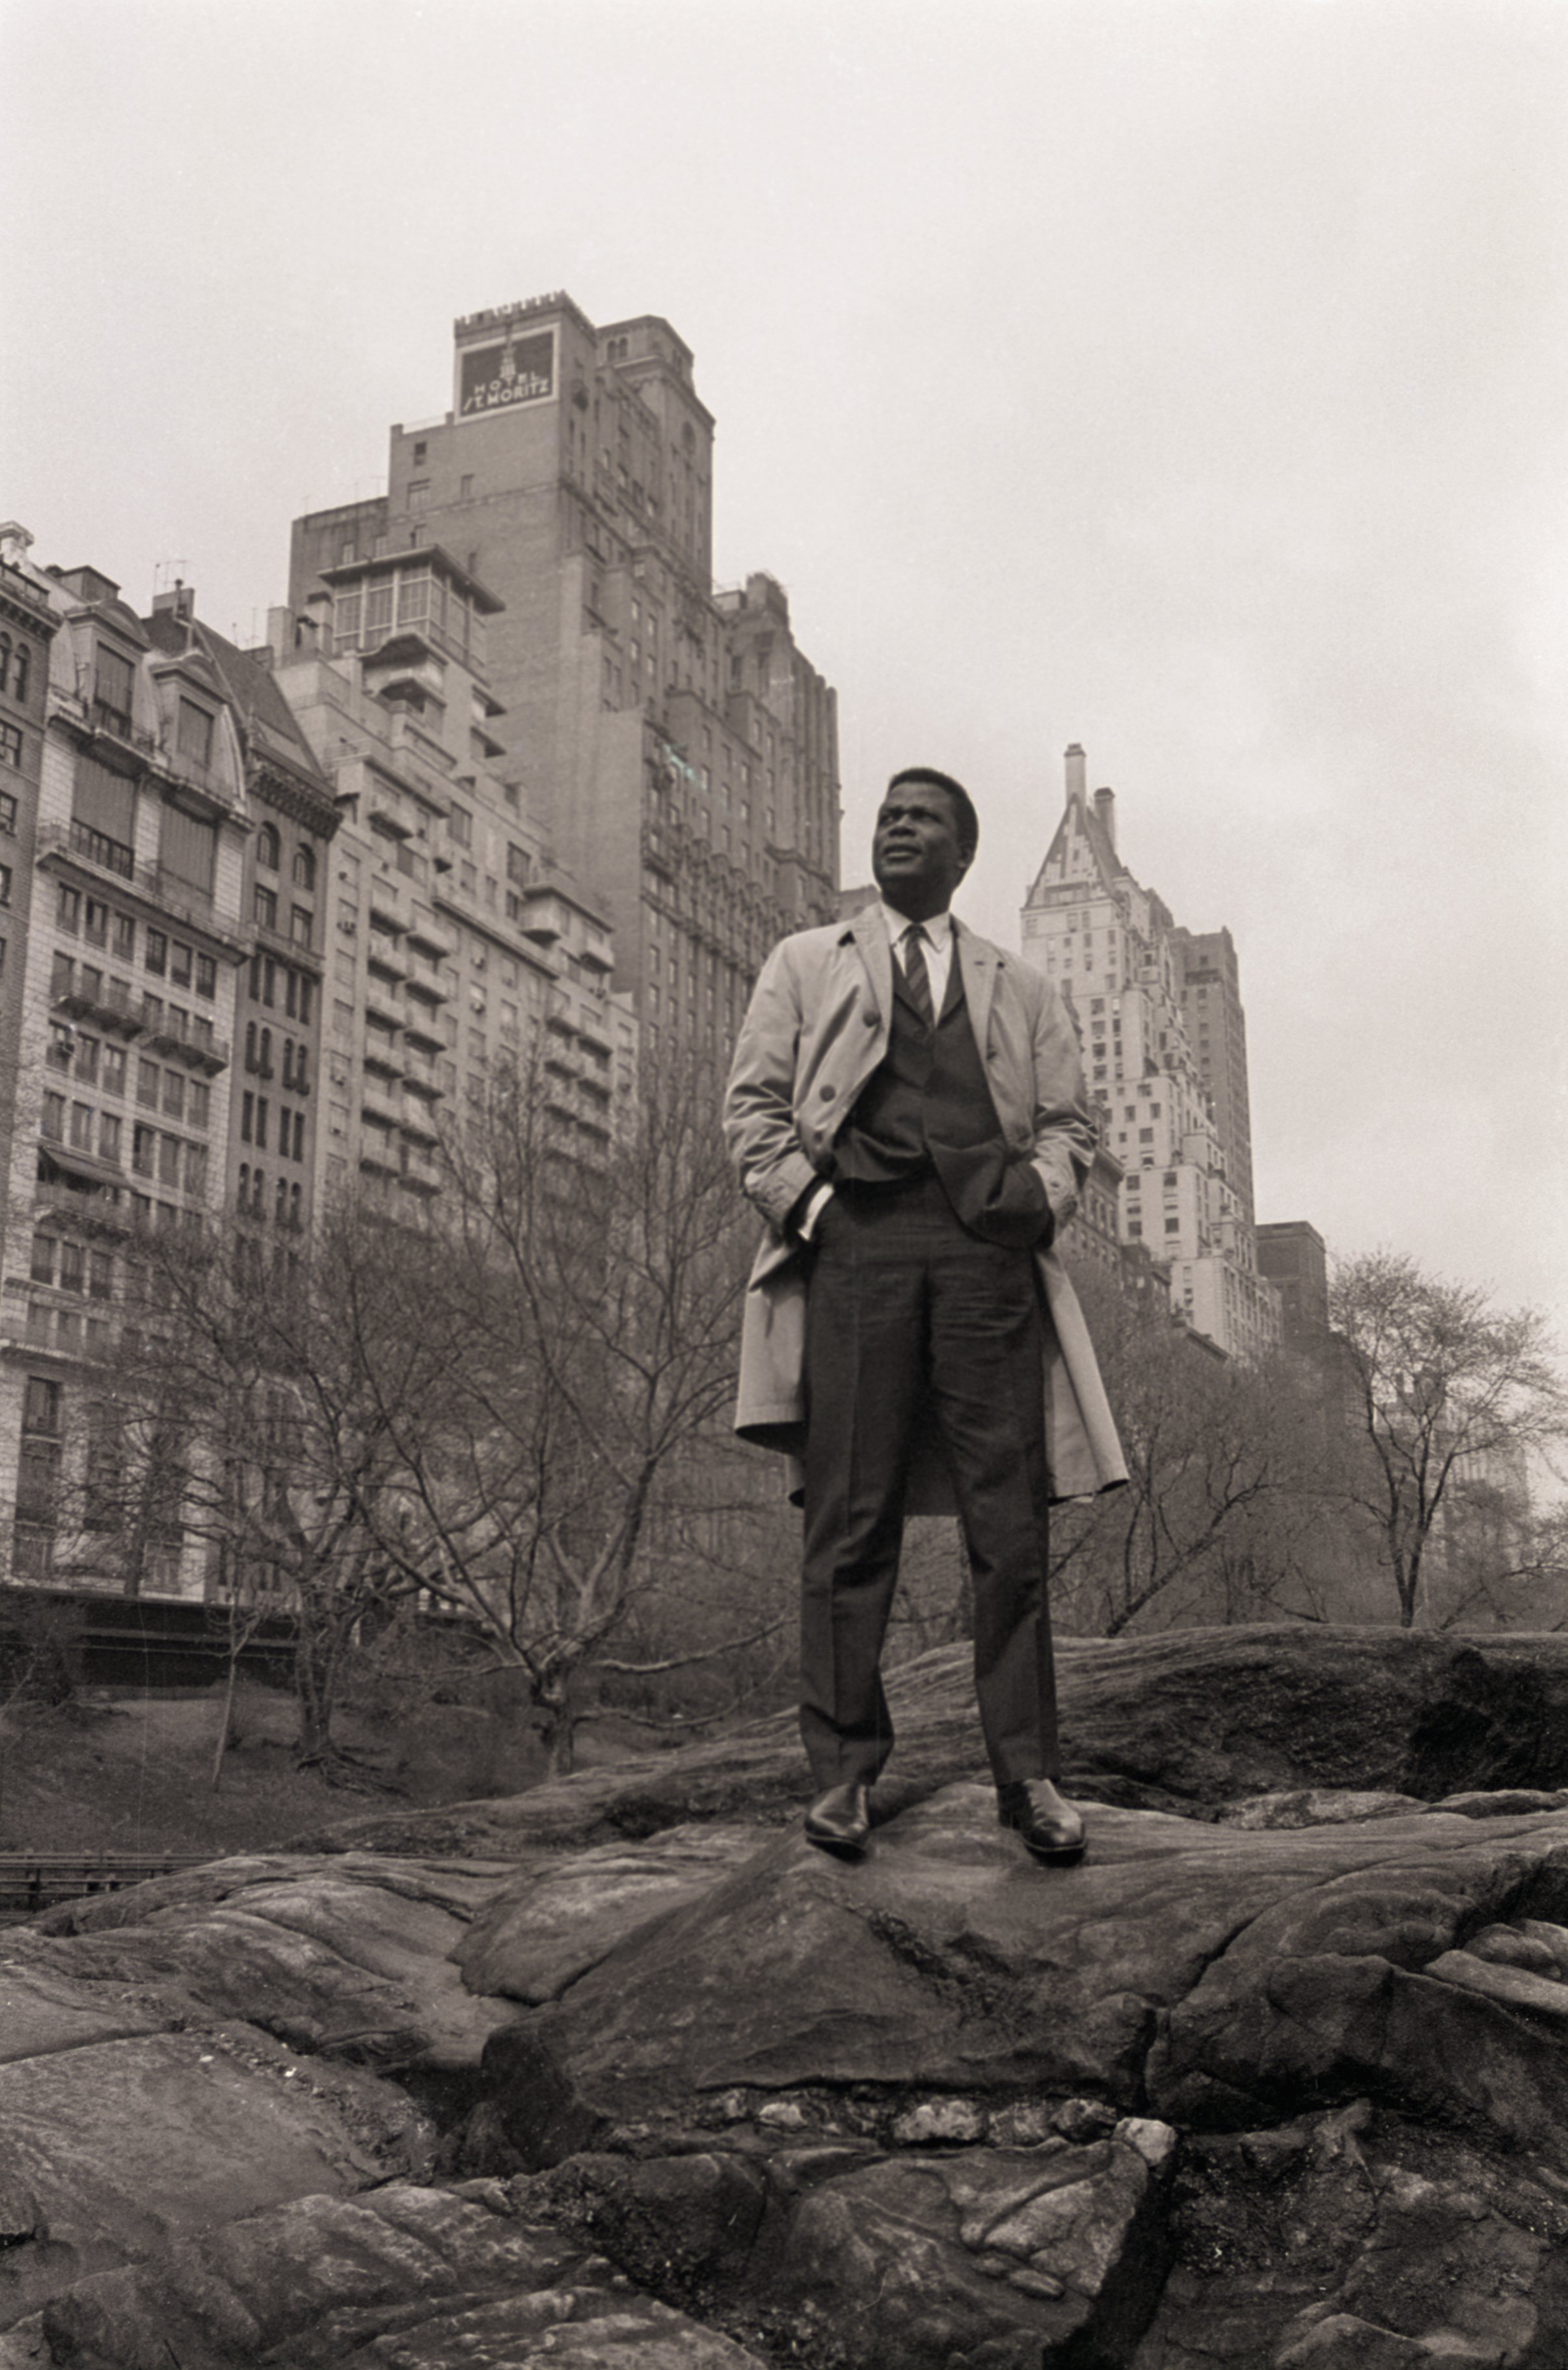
(623, 2072)
(1190, 1721)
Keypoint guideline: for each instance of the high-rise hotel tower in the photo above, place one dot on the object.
(1159, 1011)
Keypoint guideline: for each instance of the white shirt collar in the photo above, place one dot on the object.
(938, 927)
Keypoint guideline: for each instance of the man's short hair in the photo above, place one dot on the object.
(968, 821)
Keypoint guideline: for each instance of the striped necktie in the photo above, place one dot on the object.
(917, 979)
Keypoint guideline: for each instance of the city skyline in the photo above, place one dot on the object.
(1186, 382)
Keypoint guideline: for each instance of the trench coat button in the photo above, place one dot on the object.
(869, 1018)
(827, 1093)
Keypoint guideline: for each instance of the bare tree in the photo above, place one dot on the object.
(1440, 1387)
(233, 1412)
(1224, 1486)
(566, 1476)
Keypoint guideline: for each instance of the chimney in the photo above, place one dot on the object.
(180, 601)
(1105, 814)
(1075, 762)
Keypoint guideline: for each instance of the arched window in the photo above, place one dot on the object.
(305, 869)
(267, 847)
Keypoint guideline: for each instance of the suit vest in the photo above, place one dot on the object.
(929, 1088)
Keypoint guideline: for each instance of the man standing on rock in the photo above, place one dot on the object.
(907, 1108)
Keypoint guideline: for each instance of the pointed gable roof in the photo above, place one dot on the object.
(1081, 851)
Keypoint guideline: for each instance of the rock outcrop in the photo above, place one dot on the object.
(622, 2072)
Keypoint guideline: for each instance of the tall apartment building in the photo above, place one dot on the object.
(29, 622)
(1217, 1035)
(1119, 959)
(679, 752)
(1292, 1255)
(452, 946)
(119, 1102)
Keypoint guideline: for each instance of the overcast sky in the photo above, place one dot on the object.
(1186, 380)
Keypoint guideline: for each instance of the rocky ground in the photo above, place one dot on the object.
(620, 2072)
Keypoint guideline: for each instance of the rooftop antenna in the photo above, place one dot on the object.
(168, 573)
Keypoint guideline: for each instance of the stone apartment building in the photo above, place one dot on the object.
(677, 751)
(135, 819)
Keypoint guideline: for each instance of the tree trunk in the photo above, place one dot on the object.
(225, 1720)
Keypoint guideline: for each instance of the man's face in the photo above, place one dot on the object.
(916, 858)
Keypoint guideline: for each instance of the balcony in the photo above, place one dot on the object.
(424, 980)
(384, 812)
(420, 1175)
(108, 1002)
(379, 1102)
(419, 1077)
(382, 1002)
(544, 917)
(423, 1028)
(386, 903)
(432, 936)
(417, 1122)
(378, 1154)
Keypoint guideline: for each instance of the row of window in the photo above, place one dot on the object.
(169, 1159)
(16, 665)
(298, 987)
(264, 912)
(105, 926)
(258, 1058)
(255, 1118)
(269, 856)
(72, 1267)
(93, 1063)
(250, 1199)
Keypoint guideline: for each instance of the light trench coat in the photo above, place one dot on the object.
(817, 1029)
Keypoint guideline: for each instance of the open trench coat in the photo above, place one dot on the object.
(817, 1029)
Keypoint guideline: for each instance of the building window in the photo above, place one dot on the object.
(195, 736)
(111, 687)
(40, 1408)
(11, 752)
(460, 826)
(305, 869)
(300, 926)
(268, 849)
(265, 907)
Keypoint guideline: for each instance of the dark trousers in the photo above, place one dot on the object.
(907, 1305)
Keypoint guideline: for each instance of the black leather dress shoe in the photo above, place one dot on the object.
(839, 1821)
(1050, 1826)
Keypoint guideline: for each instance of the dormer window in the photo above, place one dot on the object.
(195, 733)
(112, 684)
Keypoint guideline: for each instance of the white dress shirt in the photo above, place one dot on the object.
(938, 931)
(938, 948)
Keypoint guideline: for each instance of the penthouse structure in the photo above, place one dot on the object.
(670, 742)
